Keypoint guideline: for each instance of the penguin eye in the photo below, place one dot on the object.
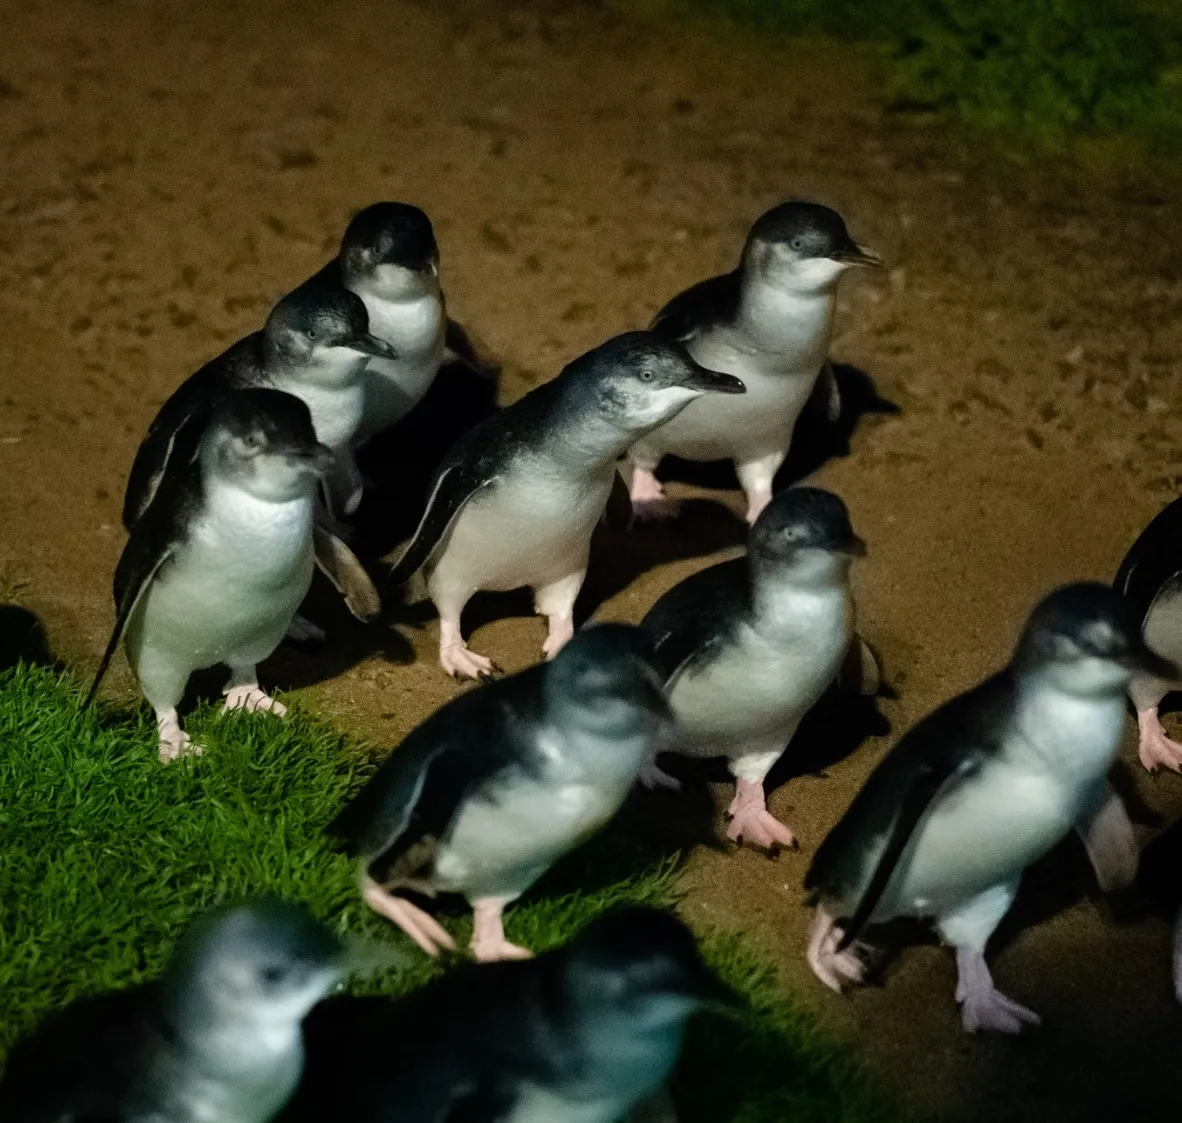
(646, 375)
(797, 243)
(311, 333)
(252, 442)
(273, 975)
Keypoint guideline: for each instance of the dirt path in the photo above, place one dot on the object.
(166, 172)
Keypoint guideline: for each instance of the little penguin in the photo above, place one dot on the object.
(768, 322)
(585, 1033)
(216, 566)
(492, 789)
(390, 259)
(216, 1037)
(1150, 580)
(982, 788)
(516, 500)
(315, 344)
(747, 647)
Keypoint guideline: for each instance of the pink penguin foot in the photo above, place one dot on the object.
(252, 700)
(488, 933)
(1156, 750)
(649, 500)
(173, 741)
(751, 820)
(562, 630)
(756, 504)
(494, 950)
(420, 926)
(459, 662)
(836, 969)
(983, 1006)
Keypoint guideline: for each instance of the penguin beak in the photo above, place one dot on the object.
(370, 345)
(319, 458)
(855, 254)
(854, 546)
(708, 989)
(712, 381)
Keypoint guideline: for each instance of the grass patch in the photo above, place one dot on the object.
(1044, 70)
(107, 856)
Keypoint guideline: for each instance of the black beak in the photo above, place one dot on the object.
(319, 457)
(1141, 657)
(854, 546)
(712, 381)
(370, 345)
(704, 985)
(855, 254)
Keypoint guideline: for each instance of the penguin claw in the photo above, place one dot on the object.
(173, 748)
(992, 1010)
(751, 820)
(420, 926)
(834, 968)
(1156, 750)
(461, 663)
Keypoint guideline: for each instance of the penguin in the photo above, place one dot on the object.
(589, 1031)
(983, 787)
(769, 322)
(492, 789)
(747, 647)
(315, 344)
(216, 1037)
(217, 564)
(516, 500)
(1150, 580)
(389, 258)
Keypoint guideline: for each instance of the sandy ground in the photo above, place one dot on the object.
(168, 170)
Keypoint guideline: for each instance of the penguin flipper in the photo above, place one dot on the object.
(861, 671)
(617, 515)
(1153, 559)
(1108, 837)
(341, 566)
(697, 308)
(458, 346)
(454, 487)
(827, 385)
(696, 616)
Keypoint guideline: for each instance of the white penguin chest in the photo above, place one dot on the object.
(415, 329)
(531, 527)
(336, 410)
(763, 682)
(240, 1093)
(536, 1104)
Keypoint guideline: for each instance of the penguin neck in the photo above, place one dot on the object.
(782, 316)
(786, 597)
(226, 1043)
(590, 438)
(632, 1060)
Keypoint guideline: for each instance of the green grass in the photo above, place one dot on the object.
(106, 856)
(1045, 71)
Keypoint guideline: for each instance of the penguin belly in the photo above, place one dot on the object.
(500, 845)
(980, 835)
(529, 529)
(231, 590)
(393, 387)
(754, 693)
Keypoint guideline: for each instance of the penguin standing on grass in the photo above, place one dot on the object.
(492, 789)
(517, 499)
(768, 322)
(981, 789)
(219, 561)
(747, 647)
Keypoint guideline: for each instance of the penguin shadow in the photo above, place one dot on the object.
(618, 556)
(398, 464)
(23, 640)
(815, 439)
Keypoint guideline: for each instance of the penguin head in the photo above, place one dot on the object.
(263, 440)
(802, 247)
(807, 529)
(1084, 638)
(603, 681)
(265, 963)
(325, 332)
(640, 380)
(389, 250)
(640, 968)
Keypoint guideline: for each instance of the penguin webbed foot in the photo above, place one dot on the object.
(1155, 749)
(460, 662)
(751, 820)
(836, 969)
(649, 501)
(982, 1005)
(419, 925)
(488, 933)
(174, 742)
(252, 699)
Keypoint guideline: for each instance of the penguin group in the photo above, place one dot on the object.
(248, 480)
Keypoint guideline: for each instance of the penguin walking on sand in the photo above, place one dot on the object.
(1150, 580)
(219, 561)
(315, 344)
(492, 789)
(769, 322)
(390, 259)
(981, 789)
(217, 1037)
(747, 647)
(516, 500)
(588, 1032)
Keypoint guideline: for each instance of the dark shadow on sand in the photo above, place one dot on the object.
(23, 639)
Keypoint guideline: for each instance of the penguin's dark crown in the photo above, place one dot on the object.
(322, 315)
(273, 420)
(808, 229)
(390, 234)
(800, 518)
(605, 659)
(1084, 619)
